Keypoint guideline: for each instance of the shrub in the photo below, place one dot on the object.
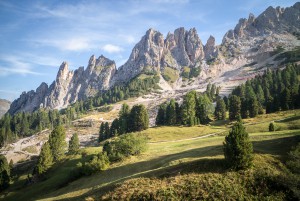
(98, 163)
(271, 127)
(126, 145)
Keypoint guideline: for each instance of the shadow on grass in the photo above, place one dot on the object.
(294, 118)
(166, 166)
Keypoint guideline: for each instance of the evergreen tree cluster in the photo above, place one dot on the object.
(274, 90)
(194, 110)
(26, 124)
(130, 120)
(53, 150)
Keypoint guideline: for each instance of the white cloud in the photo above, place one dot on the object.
(112, 48)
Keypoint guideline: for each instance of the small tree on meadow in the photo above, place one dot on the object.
(271, 127)
(238, 150)
(74, 144)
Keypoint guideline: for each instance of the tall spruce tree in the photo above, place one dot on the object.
(220, 110)
(106, 131)
(171, 113)
(238, 149)
(189, 108)
(45, 160)
(123, 118)
(101, 132)
(161, 115)
(74, 144)
(139, 119)
(57, 142)
(234, 107)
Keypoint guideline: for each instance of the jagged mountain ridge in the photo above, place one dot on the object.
(252, 40)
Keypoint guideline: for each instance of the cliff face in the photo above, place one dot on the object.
(251, 41)
(68, 87)
(4, 106)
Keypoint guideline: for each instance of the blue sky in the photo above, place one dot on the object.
(37, 36)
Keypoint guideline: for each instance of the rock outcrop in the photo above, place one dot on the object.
(4, 106)
(253, 40)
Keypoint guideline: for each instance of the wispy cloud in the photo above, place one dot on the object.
(23, 64)
(112, 48)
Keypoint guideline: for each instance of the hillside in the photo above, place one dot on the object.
(4, 106)
(176, 160)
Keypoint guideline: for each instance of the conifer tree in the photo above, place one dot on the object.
(57, 142)
(106, 130)
(171, 113)
(74, 144)
(234, 107)
(253, 107)
(4, 173)
(271, 127)
(161, 115)
(45, 160)
(220, 110)
(101, 132)
(114, 128)
(139, 119)
(189, 108)
(238, 150)
(123, 119)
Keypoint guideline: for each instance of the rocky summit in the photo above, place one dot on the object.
(252, 43)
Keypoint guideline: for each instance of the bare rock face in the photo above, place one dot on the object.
(210, 48)
(4, 106)
(145, 56)
(68, 87)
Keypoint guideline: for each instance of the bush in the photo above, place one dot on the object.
(126, 145)
(271, 127)
(96, 164)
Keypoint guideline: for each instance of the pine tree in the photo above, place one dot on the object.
(171, 113)
(220, 110)
(123, 119)
(101, 132)
(238, 150)
(4, 173)
(45, 159)
(234, 107)
(178, 114)
(161, 115)
(204, 107)
(57, 142)
(106, 130)
(189, 108)
(114, 129)
(74, 144)
(139, 119)
(253, 107)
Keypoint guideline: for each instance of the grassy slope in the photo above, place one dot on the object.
(162, 158)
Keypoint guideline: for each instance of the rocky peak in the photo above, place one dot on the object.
(63, 71)
(210, 49)
(103, 61)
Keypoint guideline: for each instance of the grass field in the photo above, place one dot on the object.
(171, 151)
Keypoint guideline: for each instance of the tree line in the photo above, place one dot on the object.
(26, 124)
(273, 91)
(195, 109)
(130, 120)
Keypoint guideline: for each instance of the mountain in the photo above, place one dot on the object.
(4, 106)
(180, 58)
